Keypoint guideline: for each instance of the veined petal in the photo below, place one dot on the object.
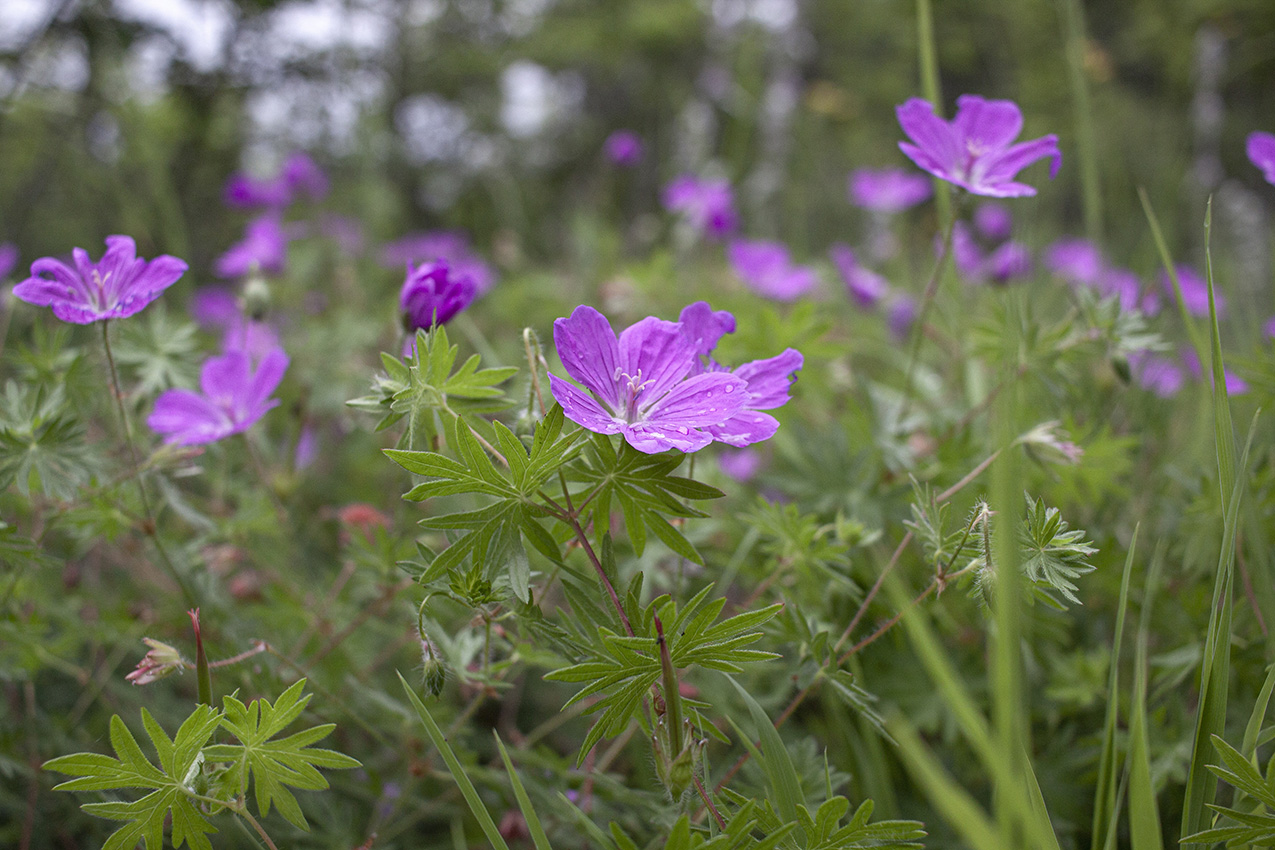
(704, 326)
(656, 355)
(117, 269)
(1002, 166)
(931, 164)
(745, 428)
(76, 290)
(933, 137)
(768, 380)
(987, 125)
(45, 293)
(582, 409)
(589, 352)
(653, 439)
(187, 418)
(707, 399)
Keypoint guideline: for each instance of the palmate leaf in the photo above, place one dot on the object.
(274, 763)
(424, 383)
(172, 784)
(623, 669)
(42, 443)
(647, 491)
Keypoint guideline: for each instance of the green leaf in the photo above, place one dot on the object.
(273, 763)
(774, 759)
(172, 784)
(524, 802)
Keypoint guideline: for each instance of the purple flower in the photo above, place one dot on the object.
(966, 254)
(1261, 152)
(234, 397)
(215, 307)
(302, 174)
(1126, 286)
(263, 249)
(1160, 375)
(974, 149)
(900, 314)
(432, 294)
(708, 205)
(1195, 291)
(638, 384)
(624, 148)
(1270, 326)
(865, 286)
(299, 174)
(1078, 261)
(739, 464)
(887, 190)
(768, 270)
(993, 221)
(448, 245)
(117, 286)
(1235, 385)
(8, 258)
(768, 380)
(1009, 261)
(346, 232)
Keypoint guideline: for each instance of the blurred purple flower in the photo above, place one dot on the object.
(865, 286)
(966, 254)
(768, 380)
(1160, 375)
(624, 148)
(887, 190)
(8, 258)
(739, 464)
(215, 307)
(1235, 385)
(1078, 261)
(263, 249)
(299, 174)
(450, 246)
(993, 221)
(1261, 152)
(974, 150)
(1195, 291)
(1009, 261)
(708, 205)
(432, 294)
(345, 231)
(1270, 326)
(302, 174)
(1127, 286)
(767, 269)
(234, 396)
(900, 313)
(115, 287)
(638, 384)
(307, 448)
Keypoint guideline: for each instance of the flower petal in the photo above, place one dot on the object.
(653, 439)
(225, 379)
(582, 409)
(587, 347)
(769, 380)
(1001, 167)
(267, 377)
(745, 428)
(656, 355)
(936, 147)
(986, 125)
(1261, 152)
(707, 399)
(187, 418)
(704, 326)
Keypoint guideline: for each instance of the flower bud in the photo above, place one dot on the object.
(159, 662)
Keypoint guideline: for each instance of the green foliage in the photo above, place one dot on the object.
(1254, 823)
(622, 669)
(195, 778)
(1051, 557)
(42, 443)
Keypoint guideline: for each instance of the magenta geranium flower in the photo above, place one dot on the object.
(887, 190)
(117, 286)
(1195, 291)
(708, 205)
(263, 249)
(641, 384)
(300, 173)
(234, 396)
(432, 294)
(449, 245)
(1261, 152)
(1077, 261)
(624, 148)
(8, 258)
(768, 270)
(993, 221)
(865, 286)
(768, 381)
(975, 149)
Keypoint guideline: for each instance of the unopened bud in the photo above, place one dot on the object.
(159, 662)
(256, 298)
(433, 671)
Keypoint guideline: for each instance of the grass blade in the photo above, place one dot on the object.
(524, 802)
(467, 789)
(775, 758)
(1192, 330)
(1104, 804)
(1145, 832)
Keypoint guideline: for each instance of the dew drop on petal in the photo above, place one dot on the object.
(730, 388)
